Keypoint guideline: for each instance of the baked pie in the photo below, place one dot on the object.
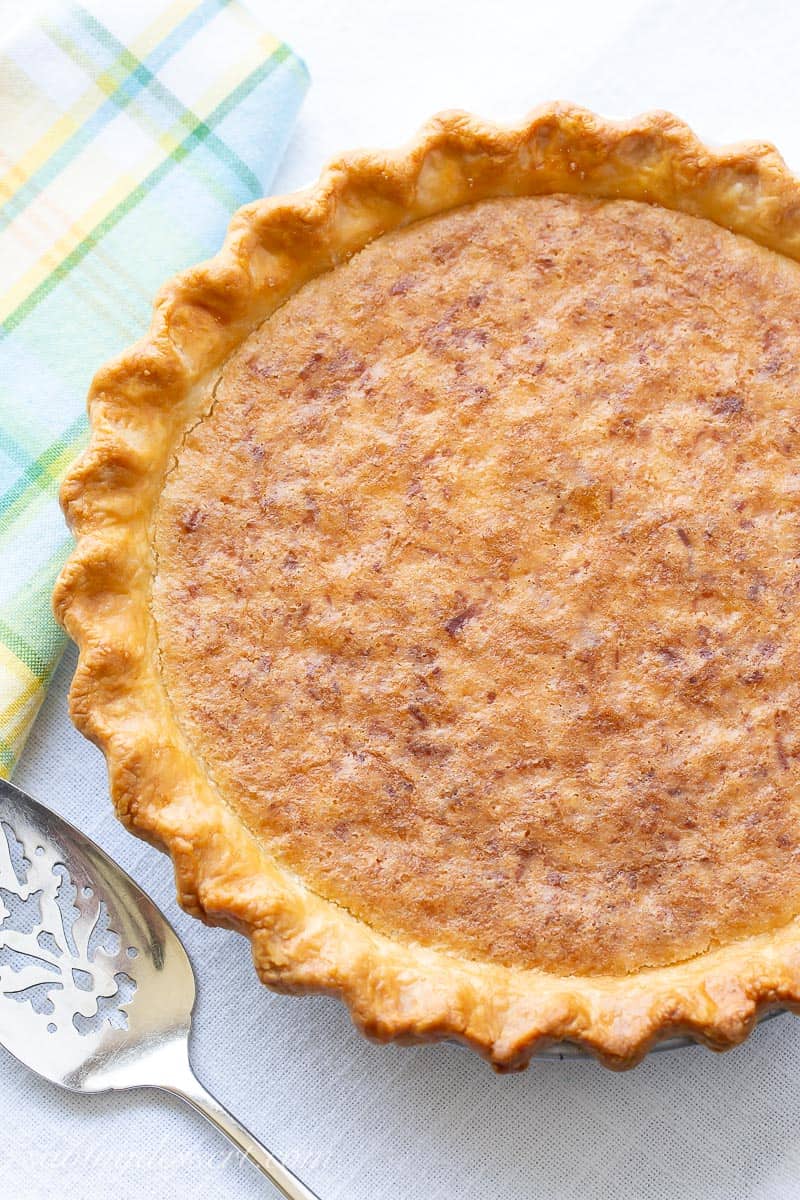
(438, 577)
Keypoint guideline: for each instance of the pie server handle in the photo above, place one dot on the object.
(192, 1091)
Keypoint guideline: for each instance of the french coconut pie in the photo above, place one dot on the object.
(437, 585)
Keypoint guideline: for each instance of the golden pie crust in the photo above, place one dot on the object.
(436, 585)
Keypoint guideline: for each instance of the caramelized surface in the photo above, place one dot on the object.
(477, 590)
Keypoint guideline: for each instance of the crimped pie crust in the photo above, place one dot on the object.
(600, 990)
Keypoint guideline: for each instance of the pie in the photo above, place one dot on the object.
(437, 585)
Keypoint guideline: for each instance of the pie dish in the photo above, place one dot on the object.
(437, 578)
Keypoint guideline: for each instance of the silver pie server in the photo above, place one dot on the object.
(96, 989)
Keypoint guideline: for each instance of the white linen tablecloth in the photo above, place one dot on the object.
(362, 1122)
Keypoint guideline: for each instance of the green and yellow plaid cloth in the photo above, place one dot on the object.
(127, 140)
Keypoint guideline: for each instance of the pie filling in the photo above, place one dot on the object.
(478, 587)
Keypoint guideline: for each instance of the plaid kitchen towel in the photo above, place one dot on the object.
(129, 134)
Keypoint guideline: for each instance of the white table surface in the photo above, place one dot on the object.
(363, 1122)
